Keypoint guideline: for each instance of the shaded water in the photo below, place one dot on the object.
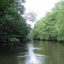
(36, 52)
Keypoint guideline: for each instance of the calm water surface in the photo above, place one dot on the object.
(36, 52)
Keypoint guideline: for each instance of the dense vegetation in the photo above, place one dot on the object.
(13, 26)
(50, 27)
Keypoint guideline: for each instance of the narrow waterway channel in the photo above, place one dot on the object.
(36, 52)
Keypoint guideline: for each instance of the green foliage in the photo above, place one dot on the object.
(12, 24)
(51, 27)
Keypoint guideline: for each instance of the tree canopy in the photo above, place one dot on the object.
(12, 24)
(50, 27)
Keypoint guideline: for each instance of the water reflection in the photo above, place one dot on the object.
(36, 52)
(30, 57)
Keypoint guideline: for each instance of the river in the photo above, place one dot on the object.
(36, 52)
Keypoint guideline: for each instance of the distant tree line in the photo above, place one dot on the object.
(50, 27)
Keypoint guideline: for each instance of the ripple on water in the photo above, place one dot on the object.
(30, 57)
(36, 59)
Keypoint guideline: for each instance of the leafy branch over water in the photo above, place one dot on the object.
(12, 24)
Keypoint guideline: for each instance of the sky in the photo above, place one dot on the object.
(40, 7)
